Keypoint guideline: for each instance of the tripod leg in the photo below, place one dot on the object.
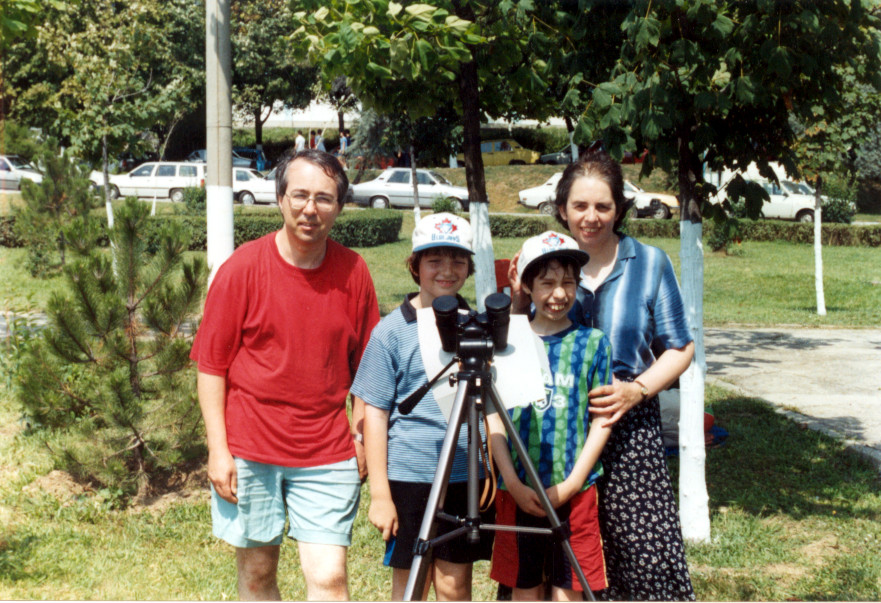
(422, 558)
(534, 478)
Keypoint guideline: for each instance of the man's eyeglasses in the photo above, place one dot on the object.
(299, 199)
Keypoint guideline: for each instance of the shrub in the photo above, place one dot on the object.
(195, 200)
(840, 206)
(520, 227)
(367, 228)
(445, 204)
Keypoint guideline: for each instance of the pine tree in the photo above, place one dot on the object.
(112, 373)
(56, 214)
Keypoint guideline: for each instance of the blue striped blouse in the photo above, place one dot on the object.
(638, 307)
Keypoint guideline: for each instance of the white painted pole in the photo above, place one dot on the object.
(818, 249)
(218, 112)
(484, 259)
(694, 513)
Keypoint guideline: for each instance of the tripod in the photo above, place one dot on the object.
(474, 387)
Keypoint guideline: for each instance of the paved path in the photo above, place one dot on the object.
(829, 379)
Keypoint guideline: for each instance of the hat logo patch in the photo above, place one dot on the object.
(552, 242)
(446, 230)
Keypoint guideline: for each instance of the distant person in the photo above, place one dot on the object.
(311, 139)
(402, 158)
(319, 141)
(299, 142)
(564, 444)
(273, 384)
(403, 450)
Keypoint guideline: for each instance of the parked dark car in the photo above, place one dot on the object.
(258, 159)
(561, 157)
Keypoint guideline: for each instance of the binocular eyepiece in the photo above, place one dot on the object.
(473, 334)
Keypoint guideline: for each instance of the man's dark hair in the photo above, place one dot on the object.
(329, 164)
(595, 164)
(443, 251)
(540, 267)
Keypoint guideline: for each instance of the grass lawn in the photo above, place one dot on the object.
(794, 517)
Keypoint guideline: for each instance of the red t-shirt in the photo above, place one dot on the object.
(288, 340)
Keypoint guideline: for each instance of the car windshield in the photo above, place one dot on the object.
(18, 162)
(631, 188)
(440, 178)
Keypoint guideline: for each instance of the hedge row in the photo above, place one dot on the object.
(367, 228)
(370, 228)
(840, 235)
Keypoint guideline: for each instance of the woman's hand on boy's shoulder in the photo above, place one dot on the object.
(384, 516)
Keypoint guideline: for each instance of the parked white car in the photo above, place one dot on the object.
(14, 169)
(787, 200)
(541, 196)
(159, 179)
(250, 186)
(655, 205)
(393, 188)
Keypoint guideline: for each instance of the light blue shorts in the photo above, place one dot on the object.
(320, 503)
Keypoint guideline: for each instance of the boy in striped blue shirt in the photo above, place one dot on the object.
(563, 443)
(403, 450)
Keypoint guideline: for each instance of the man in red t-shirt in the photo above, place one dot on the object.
(286, 320)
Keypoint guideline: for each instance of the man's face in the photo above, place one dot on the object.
(309, 205)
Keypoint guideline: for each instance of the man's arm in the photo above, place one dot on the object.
(221, 467)
(357, 429)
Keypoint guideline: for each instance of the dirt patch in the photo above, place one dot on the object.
(58, 484)
(182, 487)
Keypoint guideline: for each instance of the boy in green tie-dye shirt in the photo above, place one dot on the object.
(562, 441)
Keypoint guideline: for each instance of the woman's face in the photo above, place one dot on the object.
(590, 212)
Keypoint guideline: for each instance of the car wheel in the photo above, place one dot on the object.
(457, 204)
(517, 162)
(114, 192)
(805, 216)
(176, 195)
(246, 198)
(548, 208)
(379, 203)
(660, 212)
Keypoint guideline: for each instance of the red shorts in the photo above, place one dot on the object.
(528, 560)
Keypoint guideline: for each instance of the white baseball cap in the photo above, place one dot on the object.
(442, 230)
(546, 245)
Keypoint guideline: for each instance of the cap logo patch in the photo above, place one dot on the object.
(552, 242)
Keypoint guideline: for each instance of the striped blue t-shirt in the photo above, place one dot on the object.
(638, 307)
(391, 369)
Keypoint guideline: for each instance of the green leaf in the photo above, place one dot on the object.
(321, 13)
(394, 9)
(379, 70)
(426, 54)
(421, 11)
(649, 33)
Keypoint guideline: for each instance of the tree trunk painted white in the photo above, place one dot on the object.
(818, 250)
(694, 512)
(573, 147)
(417, 213)
(453, 161)
(218, 117)
(484, 260)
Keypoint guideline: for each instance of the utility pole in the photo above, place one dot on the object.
(218, 113)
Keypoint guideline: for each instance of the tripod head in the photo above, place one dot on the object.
(472, 337)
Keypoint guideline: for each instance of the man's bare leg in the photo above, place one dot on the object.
(324, 568)
(258, 573)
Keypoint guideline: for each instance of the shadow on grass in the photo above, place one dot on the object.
(771, 465)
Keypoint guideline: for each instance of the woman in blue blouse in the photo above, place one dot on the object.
(629, 291)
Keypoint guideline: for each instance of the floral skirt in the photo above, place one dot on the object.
(642, 538)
